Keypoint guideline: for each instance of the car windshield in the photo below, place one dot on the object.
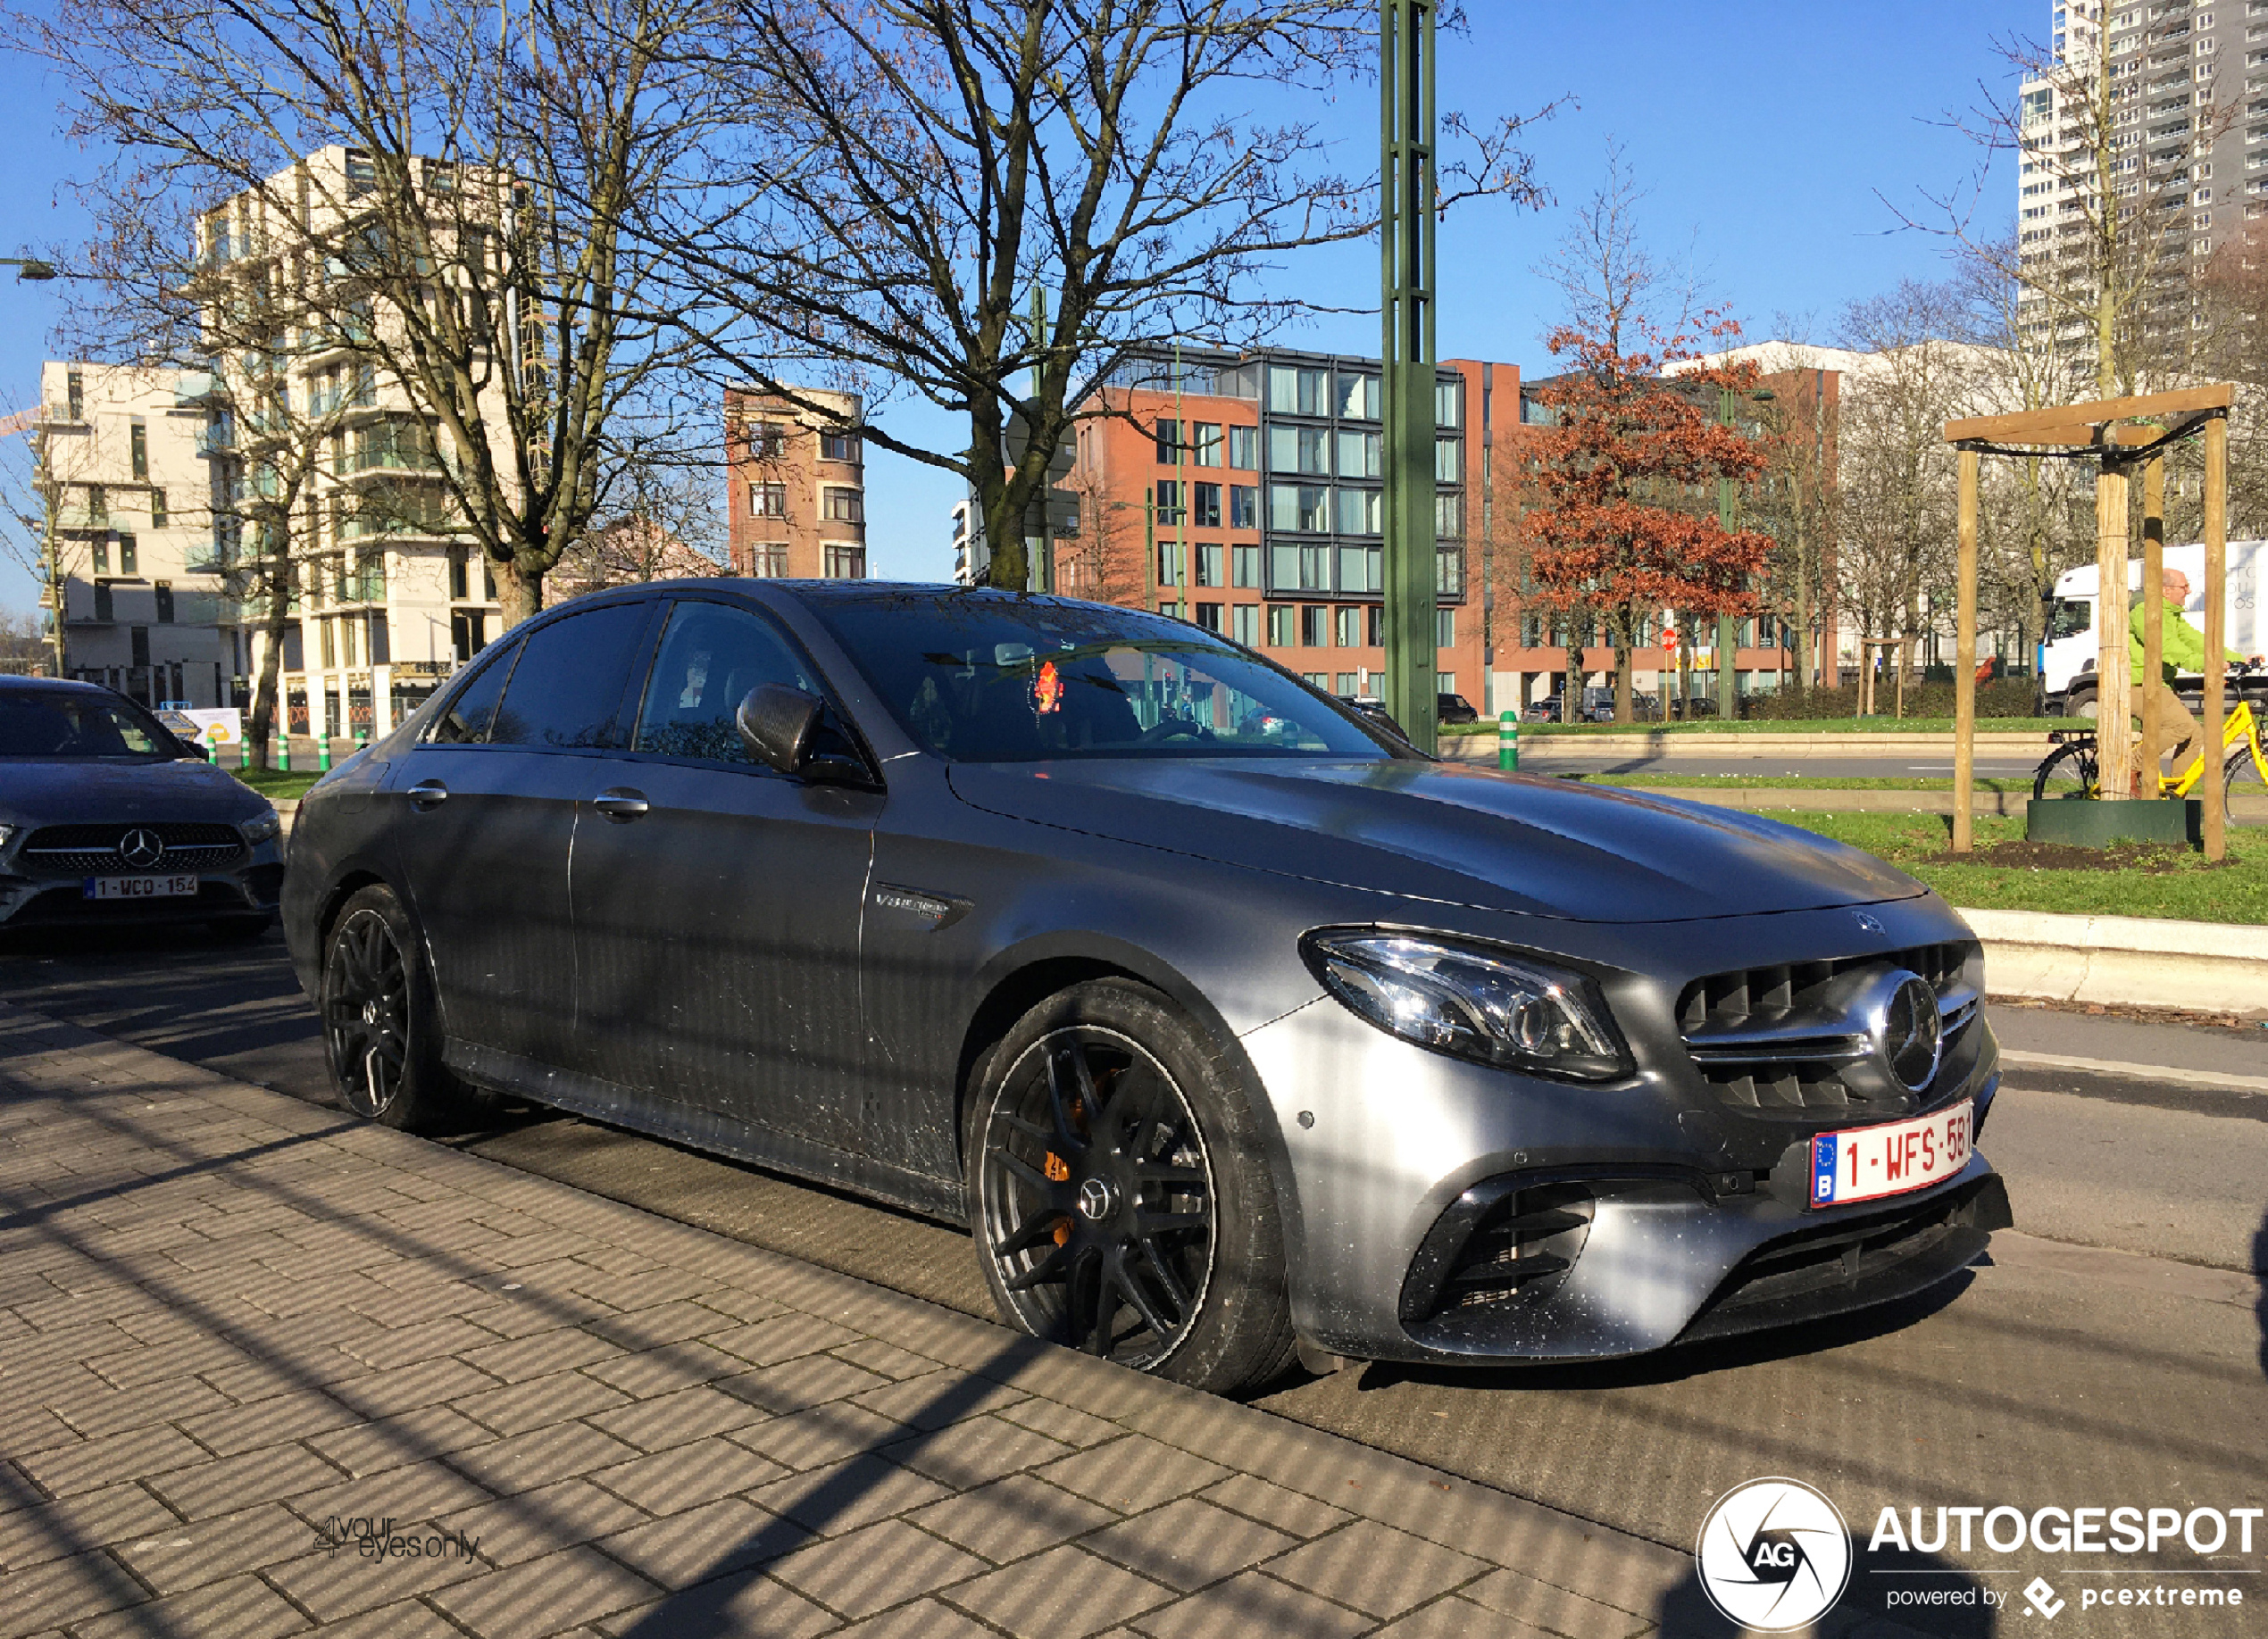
(65, 723)
(985, 677)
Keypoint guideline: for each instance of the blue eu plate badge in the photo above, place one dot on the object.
(1822, 1167)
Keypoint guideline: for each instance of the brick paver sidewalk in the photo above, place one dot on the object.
(242, 1340)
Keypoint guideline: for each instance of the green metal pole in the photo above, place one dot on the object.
(1728, 693)
(1508, 742)
(1405, 219)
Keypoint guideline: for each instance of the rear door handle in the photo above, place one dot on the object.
(428, 794)
(620, 805)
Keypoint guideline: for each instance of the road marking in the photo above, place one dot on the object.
(2137, 1072)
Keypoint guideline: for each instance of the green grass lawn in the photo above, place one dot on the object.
(2126, 881)
(1793, 782)
(1824, 725)
(275, 784)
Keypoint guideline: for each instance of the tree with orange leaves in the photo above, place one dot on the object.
(1622, 524)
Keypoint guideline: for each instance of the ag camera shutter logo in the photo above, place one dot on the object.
(1774, 1555)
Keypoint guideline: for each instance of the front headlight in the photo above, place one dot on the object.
(260, 829)
(7, 836)
(1472, 1002)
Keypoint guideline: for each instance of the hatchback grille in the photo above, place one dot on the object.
(1774, 1039)
(98, 848)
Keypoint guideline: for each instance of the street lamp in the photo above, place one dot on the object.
(30, 268)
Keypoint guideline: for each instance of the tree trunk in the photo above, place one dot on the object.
(1622, 712)
(272, 626)
(520, 590)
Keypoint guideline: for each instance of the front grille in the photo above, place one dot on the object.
(94, 850)
(1499, 1246)
(1777, 1039)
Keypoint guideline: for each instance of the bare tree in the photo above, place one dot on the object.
(469, 244)
(980, 203)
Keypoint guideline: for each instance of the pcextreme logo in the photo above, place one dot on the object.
(1774, 1555)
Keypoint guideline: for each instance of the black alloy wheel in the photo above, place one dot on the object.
(378, 1019)
(1117, 1203)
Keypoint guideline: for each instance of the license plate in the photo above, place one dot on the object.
(141, 887)
(1868, 1162)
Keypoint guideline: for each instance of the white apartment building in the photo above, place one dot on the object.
(390, 598)
(2192, 137)
(124, 472)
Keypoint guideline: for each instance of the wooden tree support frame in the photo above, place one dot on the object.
(2100, 432)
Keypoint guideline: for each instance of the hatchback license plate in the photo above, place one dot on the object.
(1867, 1162)
(141, 887)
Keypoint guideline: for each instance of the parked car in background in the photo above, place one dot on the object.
(106, 817)
(1229, 1023)
(1371, 707)
(1455, 709)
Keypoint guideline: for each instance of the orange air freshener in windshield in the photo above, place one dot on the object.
(1047, 689)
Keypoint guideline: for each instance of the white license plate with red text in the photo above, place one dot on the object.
(1867, 1162)
(141, 887)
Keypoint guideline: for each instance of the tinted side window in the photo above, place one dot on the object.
(465, 720)
(566, 689)
(712, 656)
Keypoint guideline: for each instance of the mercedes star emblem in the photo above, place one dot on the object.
(1912, 1037)
(1867, 924)
(141, 849)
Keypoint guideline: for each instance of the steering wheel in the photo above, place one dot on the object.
(1169, 728)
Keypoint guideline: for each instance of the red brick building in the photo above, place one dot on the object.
(798, 487)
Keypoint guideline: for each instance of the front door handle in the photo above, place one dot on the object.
(428, 794)
(620, 805)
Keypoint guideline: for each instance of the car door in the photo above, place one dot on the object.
(487, 822)
(716, 901)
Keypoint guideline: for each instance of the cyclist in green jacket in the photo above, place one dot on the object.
(2181, 649)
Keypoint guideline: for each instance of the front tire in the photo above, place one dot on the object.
(1116, 1181)
(381, 1030)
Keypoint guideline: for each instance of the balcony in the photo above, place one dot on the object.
(391, 459)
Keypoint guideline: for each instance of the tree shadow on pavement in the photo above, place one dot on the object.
(1923, 1593)
(2260, 1274)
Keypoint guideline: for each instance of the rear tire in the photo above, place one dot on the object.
(2069, 766)
(2240, 774)
(381, 1030)
(1118, 1185)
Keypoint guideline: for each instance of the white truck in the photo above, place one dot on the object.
(2070, 647)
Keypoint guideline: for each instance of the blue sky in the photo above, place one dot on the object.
(1761, 132)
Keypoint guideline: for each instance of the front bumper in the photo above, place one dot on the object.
(1659, 1215)
(52, 900)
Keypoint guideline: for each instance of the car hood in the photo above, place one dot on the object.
(1535, 846)
(78, 790)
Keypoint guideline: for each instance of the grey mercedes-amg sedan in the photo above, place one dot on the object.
(1230, 1025)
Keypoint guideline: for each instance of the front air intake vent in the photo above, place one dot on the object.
(1497, 1247)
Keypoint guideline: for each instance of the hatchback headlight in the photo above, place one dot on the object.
(1472, 1002)
(261, 829)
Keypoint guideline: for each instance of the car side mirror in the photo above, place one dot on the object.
(777, 724)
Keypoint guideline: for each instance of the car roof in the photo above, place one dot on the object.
(839, 591)
(11, 683)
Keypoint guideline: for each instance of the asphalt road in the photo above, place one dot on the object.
(2113, 1351)
(1897, 765)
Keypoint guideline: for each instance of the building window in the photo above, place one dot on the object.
(327, 644)
(1244, 566)
(362, 175)
(1449, 460)
(1168, 443)
(1299, 449)
(1316, 680)
(1168, 563)
(1208, 565)
(838, 447)
(1375, 616)
(1445, 629)
(1314, 626)
(1208, 443)
(1305, 568)
(165, 603)
(1448, 517)
(1448, 573)
(845, 562)
(1358, 396)
(97, 505)
(1299, 507)
(1209, 617)
(1360, 511)
(767, 440)
(1282, 625)
(1360, 452)
(1448, 404)
(137, 450)
(127, 557)
(75, 391)
(1206, 503)
(100, 549)
(768, 560)
(1244, 448)
(1244, 506)
(1361, 568)
(844, 505)
(1293, 391)
(1244, 624)
(1445, 682)
(767, 500)
(1346, 682)
(103, 610)
(1169, 500)
(1349, 622)
(458, 581)
(157, 509)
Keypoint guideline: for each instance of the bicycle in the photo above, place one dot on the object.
(2073, 768)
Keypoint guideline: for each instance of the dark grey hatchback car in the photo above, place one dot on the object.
(1231, 1026)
